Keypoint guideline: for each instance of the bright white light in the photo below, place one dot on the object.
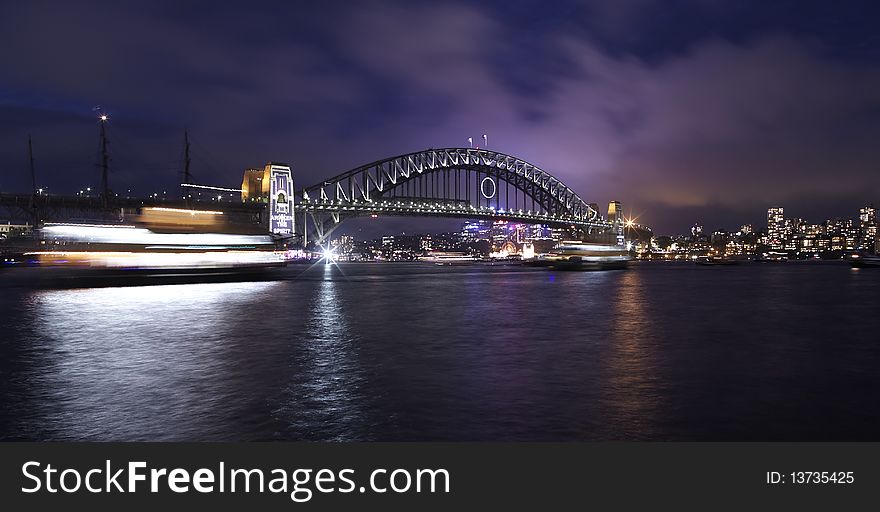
(135, 235)
(328, 255)
(103, 117)
(160, 260)
(181, 210)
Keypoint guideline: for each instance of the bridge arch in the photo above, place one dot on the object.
(450, 182)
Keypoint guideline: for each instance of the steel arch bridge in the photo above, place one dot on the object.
(449, 182)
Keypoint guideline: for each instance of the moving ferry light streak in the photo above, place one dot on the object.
(578, 255)
(103, 234)
(163, 260)
(163, 239)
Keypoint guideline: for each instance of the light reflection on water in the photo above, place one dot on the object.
(323, 399)
(114, 361)
(417, 352)
(632, 393)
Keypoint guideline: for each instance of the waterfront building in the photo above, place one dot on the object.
(539, 232)
(500, 232)
(615, 215)
(255, 184)
(868, 228)
(473, 231)
(813, 229)
(776, 227)
(615, 211)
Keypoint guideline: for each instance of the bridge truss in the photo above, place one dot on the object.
(450, 182)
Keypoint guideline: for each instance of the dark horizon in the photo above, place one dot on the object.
(686, 112)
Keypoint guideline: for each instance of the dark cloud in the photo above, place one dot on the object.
(685, 111)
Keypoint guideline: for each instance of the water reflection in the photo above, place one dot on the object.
(129, 363)
(632, 395)
(420, 352)
(323, 399)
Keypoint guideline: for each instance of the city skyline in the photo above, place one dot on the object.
(754, 226)
(781, 237)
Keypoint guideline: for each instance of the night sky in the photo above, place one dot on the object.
(686, 111)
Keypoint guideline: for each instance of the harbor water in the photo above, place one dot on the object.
(414, 351)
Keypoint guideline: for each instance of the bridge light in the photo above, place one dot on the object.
(328, 255)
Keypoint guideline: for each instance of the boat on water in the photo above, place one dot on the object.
(162, 242)
(772, 257)
(449, 258)
(577, 255)
(718, 260)
(864, 260)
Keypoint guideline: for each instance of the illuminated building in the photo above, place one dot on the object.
(539, 232)
(272, 184)
(868, 227)
(813, 229)
(500, 232)
(255, 185)
(776, 227)
(475, 230)
(521, 232)
(844, 234)
(615, 215)
(615, 212)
